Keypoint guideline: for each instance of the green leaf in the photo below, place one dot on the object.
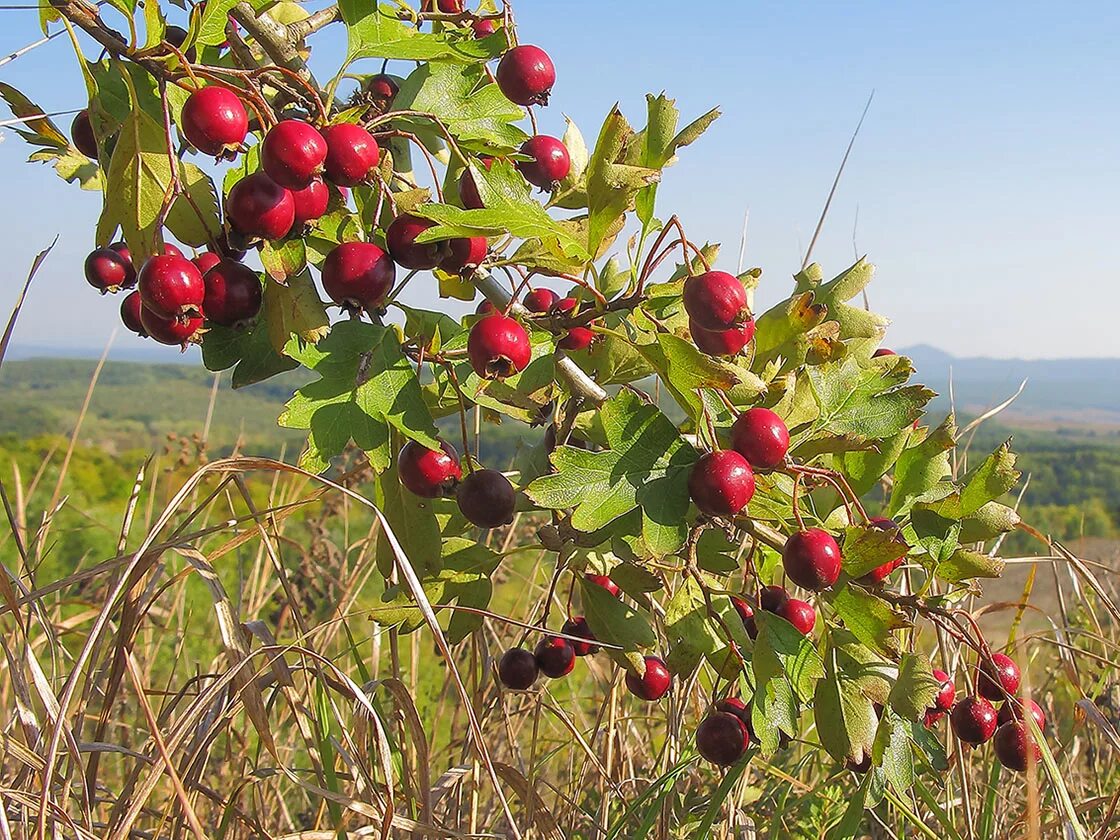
(989, 481)
(866, 402)
(374, 30)
(922, 468)
(868, 617)
(197, 220)
(612, 186)
(612, 621)
(915, 689)
(988, 522)
(284, 259)
(866, 669)
(249, 349)
(863, 469)
(781, 649)
(659, 143)
(966, 565)
(846, 721)
(294, 309)
(684, 369)
(212, 26)
(867, 548)
(414, 523)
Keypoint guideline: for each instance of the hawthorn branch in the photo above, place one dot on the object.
(273, 38)
(321, 19)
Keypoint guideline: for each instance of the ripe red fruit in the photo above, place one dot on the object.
(721, 483)
(171, 286)
(81, 134)
(233, 294)
(293, 152)
(760, 436)
(383, 86)
(973, 720)
(722, 342)
(881, 573)
(483, 27)
(206, 261)
(812, 559)
(107, 270)
(400, 240)
(800, 614)
(487, 499)
(946, 694)
(654, 683)
(498, 347)
(429, 473)
(998, 679)
(716, 300)
(1016, 747)
(526, 75)
(576, 339)
(517, 669)
(1023, 707)
(352, 154)
(540, 300)
(746, 613)
(130, 314)
(170, 331)
(214, 121)
(720, 738)
(565, 307)
(773, 599)
(932, 718)
(468, 187)
(882, 351)
(464, 255)
(223, 247)
(550, 161)
(735, 706)
(577, 626)
(311, 202)
(257, 207)
(168, 250)
(605, 582)
(555, 657)
(358, 275)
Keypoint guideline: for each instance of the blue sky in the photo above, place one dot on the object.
(986, 175)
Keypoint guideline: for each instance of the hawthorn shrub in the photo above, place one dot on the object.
(743, 517)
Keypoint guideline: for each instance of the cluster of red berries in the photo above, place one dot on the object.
(719, 317)
(485, 497)
(777, 601)
(555, 656)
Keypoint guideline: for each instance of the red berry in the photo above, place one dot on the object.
(429, 473)
(526, 75)
(882, 351)
(812, 559)
(171, 286)
(383, 86)
(358, 275)
(735, 706)
(258, 207)
(1022, 707)
(464, 255)
(450, 7)
(170, 331)
(233, 294)
(565, 307)
(577, 626)
(293, 152)
(168, 250)
(107, 270)
(352, 154)
(540, 300)
(1015, 747)
(720, 738)
(716, 300)
(746, 613)
(932, 718)
(760, 436)
(485, 307)
(721, 483)
(605, 582)
(468, 187)
(654, 683)
(800, 614)
(483, 27)
(517, 669)
(214, 121)
(82, 136)
(773, 599)
(576, 339)
(311, 202)
(498, 347)
(998, 679)
(555, 657)
(223, 247)
(946, 693)
(974, 720)
(400, 240)
(130, 314)
(206, 261)
(487, 499)
(549, 164)
(722, 342)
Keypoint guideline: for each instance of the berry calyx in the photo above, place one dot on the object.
(487, 499)
(654, 683)
(576, 339)
(383, 87)
(108, 271)
(358, 276)
(293, 152)
(812, 559)
(760, 436)
(130, 314)
(973, 720)
(746, 613)
(550, 162)
(259, 208)
(82, 136)
(605, 582)
(800, 614)
(400, 240)
(352, 154)
(170, 331)
(517, 669)
(464, 255)
(429, 473)
(468, 187)
(233, 294)
(946, 693)
(773, 599)
(171, 287)
(722, 342)
(1015, 708)
(555, 657)
(526, 75)
(206, 261)
(1015, 747)
(311, 202)
(721, 483)
(999, 678)
(720, 738)
(577, 626)
(716, 300)
(498, 347)
(539, 301)
(215, 122)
